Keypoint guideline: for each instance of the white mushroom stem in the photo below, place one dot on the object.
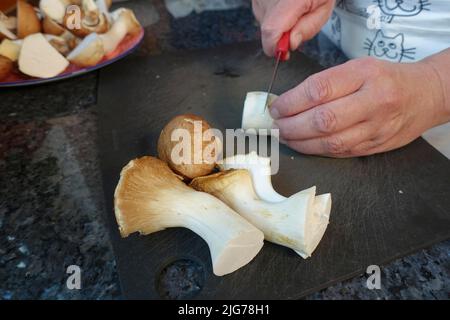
(260, 171)
(39, 59)
(255, 116)
(150, 197)
(297, 222)
(126, 23)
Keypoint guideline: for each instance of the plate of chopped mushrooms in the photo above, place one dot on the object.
(47, 43)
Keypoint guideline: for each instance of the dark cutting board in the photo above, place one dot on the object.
(384, 206)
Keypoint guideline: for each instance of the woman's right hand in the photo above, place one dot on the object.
(304, 18)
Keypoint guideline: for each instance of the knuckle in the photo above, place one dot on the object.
(317, 89)
(372, 66)
(334, 145)
(390, 97)
(324, 120)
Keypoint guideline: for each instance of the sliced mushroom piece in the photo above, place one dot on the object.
(255, 116)
(126, 23)
(92, 20)
(54, 9)
(39, 59)
(27, 20)
(298, 222)
(89, 52)
(9, 22)
(6, 66)
(59, 43)
(50, 26)
(150, 197)
(103, 7)
(10, 49)
(6, 33)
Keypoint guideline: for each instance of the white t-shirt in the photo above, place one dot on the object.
(393, 30)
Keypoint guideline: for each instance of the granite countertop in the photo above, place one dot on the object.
(51, 198)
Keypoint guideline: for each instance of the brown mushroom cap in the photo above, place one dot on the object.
(50, 26)
(100, 26)
(189, 170)
(27, 20)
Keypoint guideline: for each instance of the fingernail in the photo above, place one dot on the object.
(274, 112)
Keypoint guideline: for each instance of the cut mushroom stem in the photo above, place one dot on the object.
(150, 197)
(255, 115)
(126, 23)
(297, 222)
(260, 171)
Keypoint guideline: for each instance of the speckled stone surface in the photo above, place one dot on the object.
(51, 199)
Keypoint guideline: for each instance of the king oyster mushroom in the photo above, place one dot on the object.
(150, 197)
(298, 222)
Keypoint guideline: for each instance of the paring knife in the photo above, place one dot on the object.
(281, 54)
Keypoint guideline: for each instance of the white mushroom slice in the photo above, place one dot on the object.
(39, 59)
(59, 43)
(254, 116)
(10, 49)
(125, 24)
(103, 7)
(4, 31)
(9, 22)
(298, 222)
(54, 9)
(89, 52)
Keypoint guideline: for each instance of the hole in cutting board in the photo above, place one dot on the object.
(181, 279)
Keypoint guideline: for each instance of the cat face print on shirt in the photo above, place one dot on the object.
(389, 48)
(403, 8)
(388, 8)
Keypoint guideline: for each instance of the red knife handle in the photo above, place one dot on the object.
(283, 46)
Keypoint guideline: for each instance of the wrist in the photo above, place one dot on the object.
(437, 86)
(433, 81)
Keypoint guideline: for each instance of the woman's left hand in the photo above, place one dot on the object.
(362, 107)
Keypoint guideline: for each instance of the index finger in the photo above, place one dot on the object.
(319, 88)
(281, 18)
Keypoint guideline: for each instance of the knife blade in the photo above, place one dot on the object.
(281, 54)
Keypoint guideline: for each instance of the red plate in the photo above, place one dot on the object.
(17, 79)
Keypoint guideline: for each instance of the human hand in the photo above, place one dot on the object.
(304, 18)
(362, 107)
